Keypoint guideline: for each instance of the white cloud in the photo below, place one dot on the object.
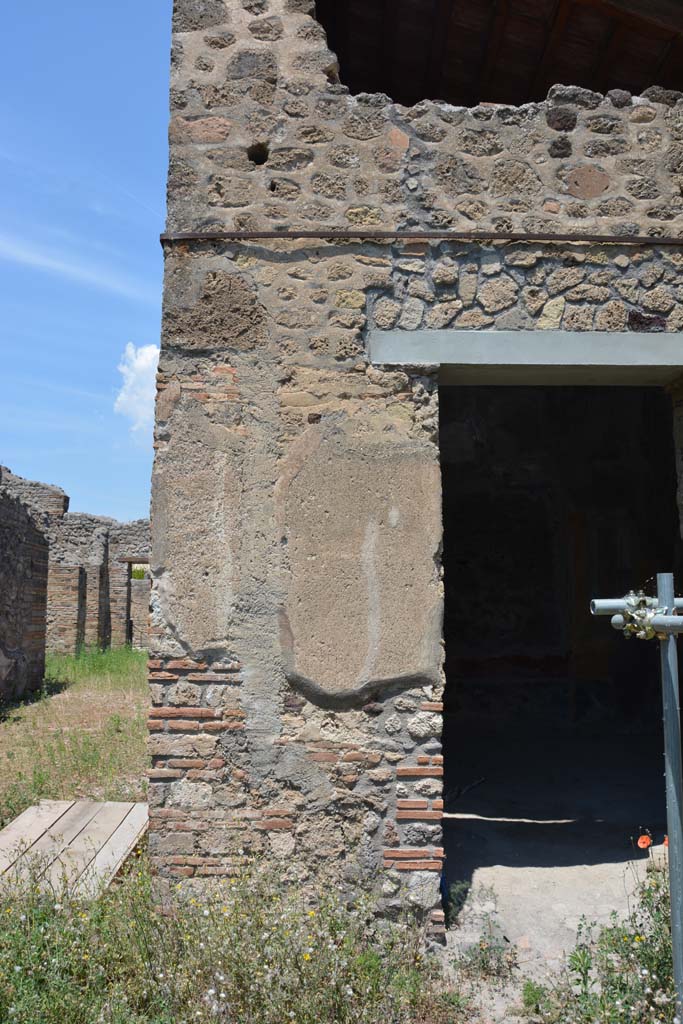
(135, 400)
(80, 269)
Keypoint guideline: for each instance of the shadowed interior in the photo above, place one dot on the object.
(552, 495)
(503, 51)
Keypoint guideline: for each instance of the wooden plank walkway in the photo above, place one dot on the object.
(79, 845)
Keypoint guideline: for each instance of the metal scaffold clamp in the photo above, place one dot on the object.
(637, 621)
(641, 617)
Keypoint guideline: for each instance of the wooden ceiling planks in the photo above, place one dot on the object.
(504, 51)
(642, 22)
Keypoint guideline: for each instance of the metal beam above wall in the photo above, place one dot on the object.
(535, 357)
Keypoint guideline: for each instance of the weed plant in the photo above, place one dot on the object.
(620, 975)
(250, 952)
(492, 958)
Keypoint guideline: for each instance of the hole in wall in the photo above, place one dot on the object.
(484, 51)
(258, 153)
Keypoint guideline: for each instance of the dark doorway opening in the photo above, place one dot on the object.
(485, 51)
(552, 725)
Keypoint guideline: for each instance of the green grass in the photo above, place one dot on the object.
(250, 953)
(112, 668)
(82, 737)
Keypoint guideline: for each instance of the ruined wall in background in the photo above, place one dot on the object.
(95, 609)
(130, 541)
(297, 594)
(83, 540)
(42, 499)
(23, 598)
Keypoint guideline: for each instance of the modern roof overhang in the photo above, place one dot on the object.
(535, 357)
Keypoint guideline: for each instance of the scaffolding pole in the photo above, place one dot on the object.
(648, 618)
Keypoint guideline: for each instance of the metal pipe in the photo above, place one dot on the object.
(616, 605)
(674, 779)
(660, 623)
(332, 234)
(667, 623)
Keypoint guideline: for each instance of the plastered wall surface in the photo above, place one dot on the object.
(296, 673)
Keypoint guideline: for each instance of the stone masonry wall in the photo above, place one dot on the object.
(296, 673)
(23, 596)
(260, 75)
(42, 498)
(83, 540)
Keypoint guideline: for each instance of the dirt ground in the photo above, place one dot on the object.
(83, 737)
(544, 811)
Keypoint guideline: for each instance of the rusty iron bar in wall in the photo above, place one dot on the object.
(171, 238)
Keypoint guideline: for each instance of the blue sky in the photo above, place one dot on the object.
(83, 153)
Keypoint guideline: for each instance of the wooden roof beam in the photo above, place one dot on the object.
(496, 37)
(670, 61)
(387, 50)
(443, 13)
(604, 63)
(668, 54)
(559, 22)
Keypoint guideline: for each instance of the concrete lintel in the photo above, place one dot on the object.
(535, 357)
